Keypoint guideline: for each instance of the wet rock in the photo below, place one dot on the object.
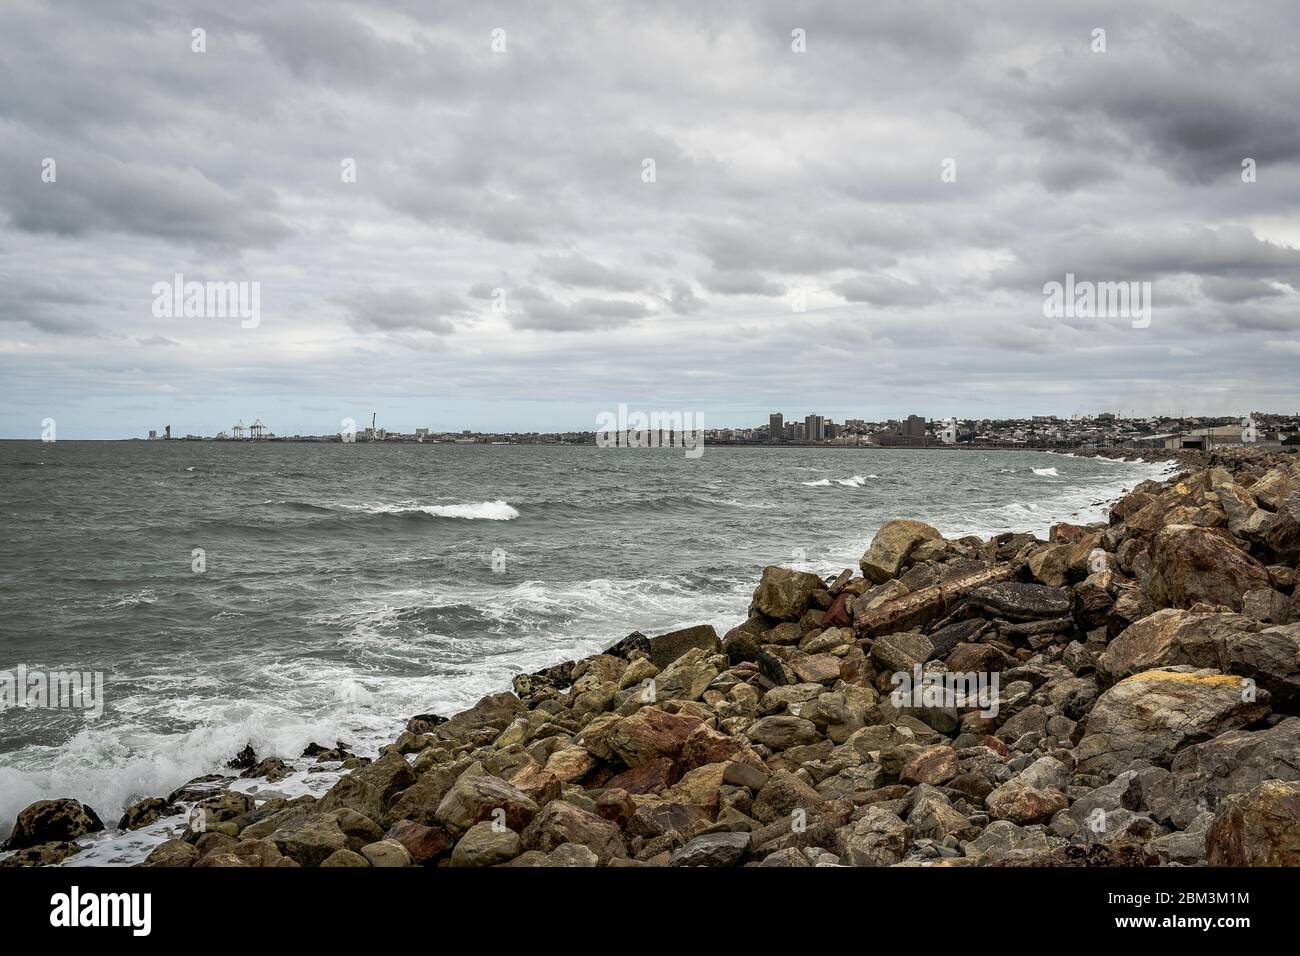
(666, 648)
(146, 811)
(172, 853)
(42, 854)
(272, 768)
(52, 821)
(244, 759)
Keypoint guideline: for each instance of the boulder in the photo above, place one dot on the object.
(784, 594)
(878, 838)
(1191, 565)
(310, 840)
(1258, 828)
(485, 844)
(1233, 762)
(1152, 715)
(478, 797)
(172, 853)
(666, 648)
(146, 811)
(52, 821)
(892, 546)
(386, 853)
(561, 822)
(713, 849)
(1022, 602)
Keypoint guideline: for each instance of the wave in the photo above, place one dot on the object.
(1047, 472)
(480, 510)
(820, 483)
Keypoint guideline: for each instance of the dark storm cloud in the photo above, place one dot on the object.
(658, 181)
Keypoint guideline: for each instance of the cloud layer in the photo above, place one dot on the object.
(516, 215)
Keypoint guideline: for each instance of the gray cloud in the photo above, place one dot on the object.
(775, 171)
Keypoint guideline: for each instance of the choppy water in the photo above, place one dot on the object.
(350, 586)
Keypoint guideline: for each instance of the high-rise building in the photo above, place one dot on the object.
(914, 427)
(775, 426)
(812, 428)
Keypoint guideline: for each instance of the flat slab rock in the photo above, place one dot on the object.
(1022, 601)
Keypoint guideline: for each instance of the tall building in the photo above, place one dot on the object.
(812, 428)
(914, 427)
(775, 426)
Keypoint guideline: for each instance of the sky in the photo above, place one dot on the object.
(514, 216)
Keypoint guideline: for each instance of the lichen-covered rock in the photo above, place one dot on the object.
(1151, 715)
(52, 821)
(1258, 828)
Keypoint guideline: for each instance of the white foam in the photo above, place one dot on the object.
(1047, 472)
(482, 510)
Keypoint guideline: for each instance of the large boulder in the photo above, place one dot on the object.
(479, 797)
(666, 648)
(643, 737)
(52, 821)
(1283, 535)
(892, 546)
(1233, 762)
(1152, 715)
(784, 594)
(1022, 602)
(878, 838)
(484, 720)
(1257, 828)
(310, 840)
(561, 822)
(1269, 656)
(1190, 565)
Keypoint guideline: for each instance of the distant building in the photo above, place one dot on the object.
(812, 428)
(775, 427)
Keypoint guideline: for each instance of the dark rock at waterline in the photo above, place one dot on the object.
(244, 759)
(636, 641)
(423, 723)
(314, 749)
(52, 821)
(146, 811)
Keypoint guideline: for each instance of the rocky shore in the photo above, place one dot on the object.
(1125, 693)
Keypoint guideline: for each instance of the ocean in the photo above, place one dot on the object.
(279, 594)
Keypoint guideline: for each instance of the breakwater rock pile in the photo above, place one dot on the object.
(1124, 693)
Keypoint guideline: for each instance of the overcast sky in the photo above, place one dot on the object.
(779, 176)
